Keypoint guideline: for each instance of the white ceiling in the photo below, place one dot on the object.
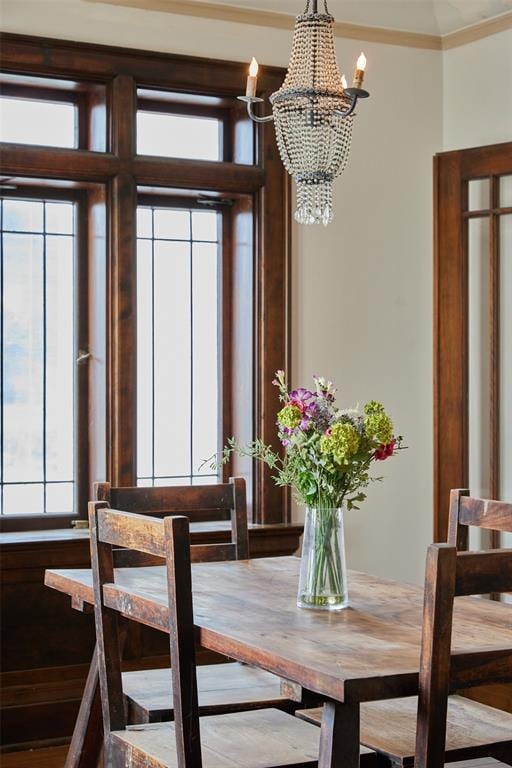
(433, 17)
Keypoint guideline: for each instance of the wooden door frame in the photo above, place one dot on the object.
(452, 170)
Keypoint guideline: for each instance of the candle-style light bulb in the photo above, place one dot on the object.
(344, 83)
(252, 80)
(359, 73)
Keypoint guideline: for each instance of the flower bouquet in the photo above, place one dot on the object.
(327, 459)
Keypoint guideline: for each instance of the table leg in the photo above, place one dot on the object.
(87, 740)
(339, 736)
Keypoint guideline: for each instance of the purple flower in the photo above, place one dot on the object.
(301, 397)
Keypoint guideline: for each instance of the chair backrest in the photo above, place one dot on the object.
(449, 574)
(466, 511)
(199, 503)
(168, 538)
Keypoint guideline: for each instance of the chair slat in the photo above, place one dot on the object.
(485, 513)
(483, 669)
(209, 553)
(173, 499)
(480, 573)
(122, 529)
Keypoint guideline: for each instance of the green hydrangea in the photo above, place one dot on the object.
(341, 443)
(378, 426)
(289, 416)
(373, 407)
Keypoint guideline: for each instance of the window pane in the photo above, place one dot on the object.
(22, 216)
(171, 225)
(505, 192)
(172, 358)
(23, 348)
(37, 444)
(59, 357)
(205, 357)
(505, 405)
(59, 498)
(204, 225)
(59, 218)
(48, 123)
(178, 350)
(23, 499)
(479, 194)
(167, 135)
(479, 384)
(144, 358)
(144, 222)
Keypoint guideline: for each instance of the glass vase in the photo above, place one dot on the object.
(323, 570)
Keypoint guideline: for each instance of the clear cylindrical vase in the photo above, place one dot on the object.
(323, 570)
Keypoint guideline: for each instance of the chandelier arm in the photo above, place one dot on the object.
(349, 110)
(256, 118)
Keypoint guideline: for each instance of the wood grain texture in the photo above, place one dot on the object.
(240, 740)
(389, 727)
(434, 681)
(376, 642)
(221, 688)
(485, 513)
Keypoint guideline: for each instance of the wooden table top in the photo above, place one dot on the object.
(247, 610)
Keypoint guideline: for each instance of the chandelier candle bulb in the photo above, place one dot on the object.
(359, 73)
(344, 83)
(252, 80)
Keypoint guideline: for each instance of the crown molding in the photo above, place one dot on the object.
(260, 18)
(477, 31)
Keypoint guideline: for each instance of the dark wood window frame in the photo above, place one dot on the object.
(259, 233)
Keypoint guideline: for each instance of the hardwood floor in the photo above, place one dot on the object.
(54, 757)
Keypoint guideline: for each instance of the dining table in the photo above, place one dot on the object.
(246, 610)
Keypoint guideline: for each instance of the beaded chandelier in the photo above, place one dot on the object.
(313, 112)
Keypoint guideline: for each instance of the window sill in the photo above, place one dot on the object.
(211, 531)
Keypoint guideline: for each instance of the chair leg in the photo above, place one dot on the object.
(339, 736)
(87, 740)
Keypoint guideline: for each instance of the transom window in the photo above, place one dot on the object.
(30, 121)
(178, 358)
(174, 135)
(38, 356)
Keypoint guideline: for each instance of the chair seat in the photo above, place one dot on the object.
(221, 688)
(389, 727)
(263, 738)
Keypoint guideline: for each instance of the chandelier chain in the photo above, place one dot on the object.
(312, 7)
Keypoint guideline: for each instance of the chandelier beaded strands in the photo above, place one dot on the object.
(313, 112)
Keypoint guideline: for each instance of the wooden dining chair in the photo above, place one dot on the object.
(261, 738)
(222, 687)
(432, 729)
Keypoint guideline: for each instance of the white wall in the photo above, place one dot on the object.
(477, 93)
(362, 288)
